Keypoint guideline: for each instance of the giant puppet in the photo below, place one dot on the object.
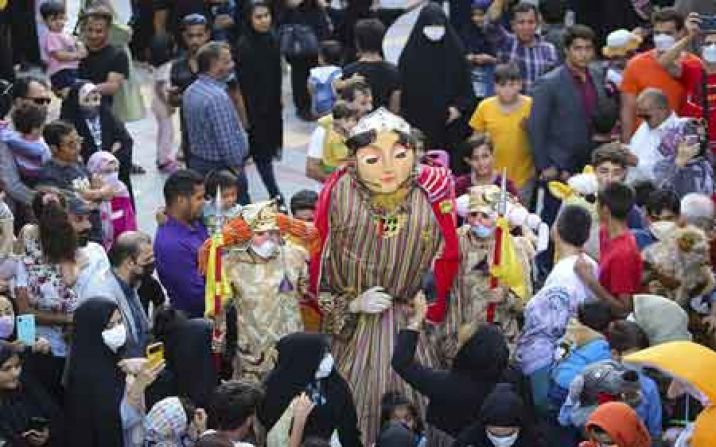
(384, 223)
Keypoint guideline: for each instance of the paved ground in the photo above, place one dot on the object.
(148, 187)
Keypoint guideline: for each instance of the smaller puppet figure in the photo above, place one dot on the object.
(269, 278)
(477, 295)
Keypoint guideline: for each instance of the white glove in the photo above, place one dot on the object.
(372, 301)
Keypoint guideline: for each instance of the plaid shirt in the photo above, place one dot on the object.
(533, 61)
(212, 124)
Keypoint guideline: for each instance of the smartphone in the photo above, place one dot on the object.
(155, 353)
(708, 23)
(26, 329)
(39, 424)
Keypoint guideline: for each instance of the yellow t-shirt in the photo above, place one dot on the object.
(512, 148)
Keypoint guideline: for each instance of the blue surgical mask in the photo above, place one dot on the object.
(482, 231)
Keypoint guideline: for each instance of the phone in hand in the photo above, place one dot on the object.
(26, 329)
(155, 353)
(39, 424)
(708, 23)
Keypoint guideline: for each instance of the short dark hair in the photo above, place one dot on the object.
(626, 335)
(349, 92)
(663, 199)
(612, 152)
(523, 7)
(28, 117)
(668, 15)
(642, 190)
(181, 184)
(22, 85)
(369, 35)
(208, 53)
(55, 131)
(51, 8)
(596, 315)
(127, 246)
(304, 199)
(605, 115)
(222, 178)
(575, 32)
(99, 12)
(213, 440)
(553, 11)
(472, 143)
(507, 72)
(574, 225)
(392, 400)
(332, 52)
(618, 198)
(234, 402)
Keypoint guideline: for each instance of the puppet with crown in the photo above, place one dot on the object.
(384, 223)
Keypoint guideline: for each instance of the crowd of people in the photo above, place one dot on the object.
(513, 243)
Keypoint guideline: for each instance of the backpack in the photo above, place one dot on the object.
(324, 96)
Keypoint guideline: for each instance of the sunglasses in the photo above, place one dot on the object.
(40, 101)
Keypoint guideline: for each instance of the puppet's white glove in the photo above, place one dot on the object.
(372, 301)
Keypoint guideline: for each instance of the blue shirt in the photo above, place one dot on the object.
(175, 249)
(212, 124)
(649, 410)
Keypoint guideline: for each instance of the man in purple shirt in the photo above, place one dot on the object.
(178, 241)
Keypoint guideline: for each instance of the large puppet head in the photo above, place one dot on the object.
(383, 151)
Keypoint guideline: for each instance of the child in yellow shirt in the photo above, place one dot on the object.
(503, 117)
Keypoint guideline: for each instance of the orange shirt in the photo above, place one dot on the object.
(643, 71)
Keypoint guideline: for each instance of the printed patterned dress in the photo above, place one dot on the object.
(267, 294)
(360, 253)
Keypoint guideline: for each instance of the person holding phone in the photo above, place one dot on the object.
(105, 394)
(28, 416)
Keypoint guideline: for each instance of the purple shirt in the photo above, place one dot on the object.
(175, 250)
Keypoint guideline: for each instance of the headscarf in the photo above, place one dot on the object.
(435, 75)
(99, 162)
(485, 355)
(166, 423)
(621, 423)
(299, 355)
(95, 384)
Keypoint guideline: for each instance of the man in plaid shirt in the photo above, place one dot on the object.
(525, 47)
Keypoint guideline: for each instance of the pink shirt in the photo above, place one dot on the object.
(59, 42)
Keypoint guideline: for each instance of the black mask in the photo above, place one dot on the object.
(83, 238)
(148, 269)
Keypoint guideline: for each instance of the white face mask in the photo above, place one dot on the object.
(265, 250)
(115, 338)
(663, 42)
(434, 32)
(709, 53)
(503, 441)
(325, 367)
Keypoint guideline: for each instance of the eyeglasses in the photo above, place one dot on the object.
(39, 101)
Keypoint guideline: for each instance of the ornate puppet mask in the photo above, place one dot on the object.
(384, 155)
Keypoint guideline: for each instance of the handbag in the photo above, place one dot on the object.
(297, 40)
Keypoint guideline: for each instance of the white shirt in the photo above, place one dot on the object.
(315, 144)
(645, 145)
(563, 275)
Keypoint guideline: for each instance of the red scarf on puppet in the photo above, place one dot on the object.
(439, 187)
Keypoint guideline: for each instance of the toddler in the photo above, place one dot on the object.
(226, 181)
(116, 214)
(325, 80)
(396, 408)
(63, 52)
(26, 143)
